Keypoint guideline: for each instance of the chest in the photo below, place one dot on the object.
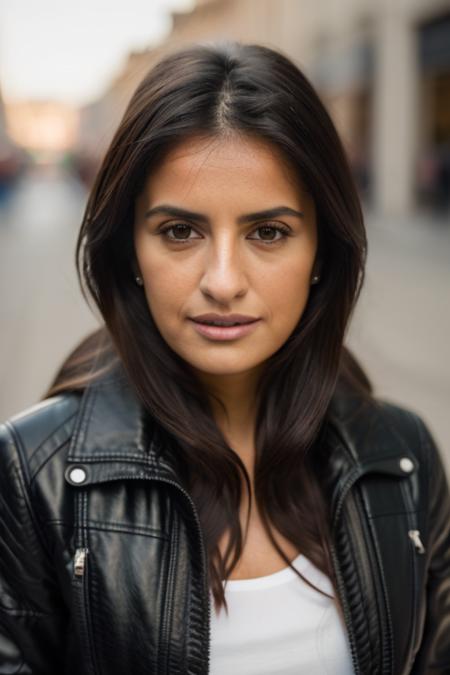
(259, 556)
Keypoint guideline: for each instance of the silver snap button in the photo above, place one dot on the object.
(77, 475)
(406, 464)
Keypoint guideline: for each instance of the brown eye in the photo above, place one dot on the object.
(178, 228)
(268, 233)
(181, 229)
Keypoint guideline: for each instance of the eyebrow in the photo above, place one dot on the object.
(177, 212)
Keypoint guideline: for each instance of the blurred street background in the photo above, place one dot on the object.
(383, 70)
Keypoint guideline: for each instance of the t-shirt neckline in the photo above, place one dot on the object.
(269, 580)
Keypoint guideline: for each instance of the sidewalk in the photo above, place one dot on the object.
(401, 327)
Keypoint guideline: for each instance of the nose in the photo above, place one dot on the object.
(223, 277)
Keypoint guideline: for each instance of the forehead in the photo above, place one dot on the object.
(238, 161)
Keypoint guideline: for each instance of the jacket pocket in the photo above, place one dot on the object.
(82, 613)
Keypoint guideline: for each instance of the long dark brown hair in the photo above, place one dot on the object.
(213, 90)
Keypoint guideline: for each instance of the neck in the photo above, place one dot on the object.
(236, 420)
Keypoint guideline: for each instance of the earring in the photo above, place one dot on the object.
(139, 281)
(315, 279)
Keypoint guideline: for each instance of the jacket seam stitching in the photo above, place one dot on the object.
(396, 513)
(93, 457)
(47, 459)
(112, 477)
(53, 433)
(110, 526)
(125, 530)
(28, 613)
(24, 478)
(83, 418)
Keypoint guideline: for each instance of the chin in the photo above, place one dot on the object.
(222, 367)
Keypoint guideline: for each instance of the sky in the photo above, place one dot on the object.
(70, 51)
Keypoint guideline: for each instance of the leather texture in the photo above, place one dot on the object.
(137, 600)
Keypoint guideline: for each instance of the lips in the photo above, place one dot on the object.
(222, 333)
(212, 319)
(225, 323)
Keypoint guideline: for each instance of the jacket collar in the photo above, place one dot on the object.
(112, 429)
(113, 435)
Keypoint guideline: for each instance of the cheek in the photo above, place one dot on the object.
(287, 308)
(288, 292)
(165, 290)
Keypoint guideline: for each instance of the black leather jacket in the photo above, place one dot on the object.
(102, 564)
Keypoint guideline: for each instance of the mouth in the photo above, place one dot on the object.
(225, 332)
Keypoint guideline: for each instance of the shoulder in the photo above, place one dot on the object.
(409, 430)
(405, 426)
(38, 432)
(374, 427)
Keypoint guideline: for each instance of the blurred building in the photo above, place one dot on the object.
(383, 69)
(42, 125)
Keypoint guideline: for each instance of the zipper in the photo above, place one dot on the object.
(80, 585)
(415, 536)
(419, 549)
(80, 561)
(343, 598)
(81, 567)
(168, 592)
(351, 480)
(364, 536)
(203, 555)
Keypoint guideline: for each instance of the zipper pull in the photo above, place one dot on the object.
(80, 561)
(415, 536)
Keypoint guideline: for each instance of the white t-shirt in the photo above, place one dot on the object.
(278, 625)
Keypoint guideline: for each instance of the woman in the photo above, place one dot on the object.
(211, 485)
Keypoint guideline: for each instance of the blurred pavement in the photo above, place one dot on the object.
(43, 314)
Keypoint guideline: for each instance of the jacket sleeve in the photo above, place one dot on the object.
(433, 657)
(32, 615)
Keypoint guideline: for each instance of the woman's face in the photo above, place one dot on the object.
(224, 258)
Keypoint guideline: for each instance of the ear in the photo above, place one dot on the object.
(317, 267)
(135, 268)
